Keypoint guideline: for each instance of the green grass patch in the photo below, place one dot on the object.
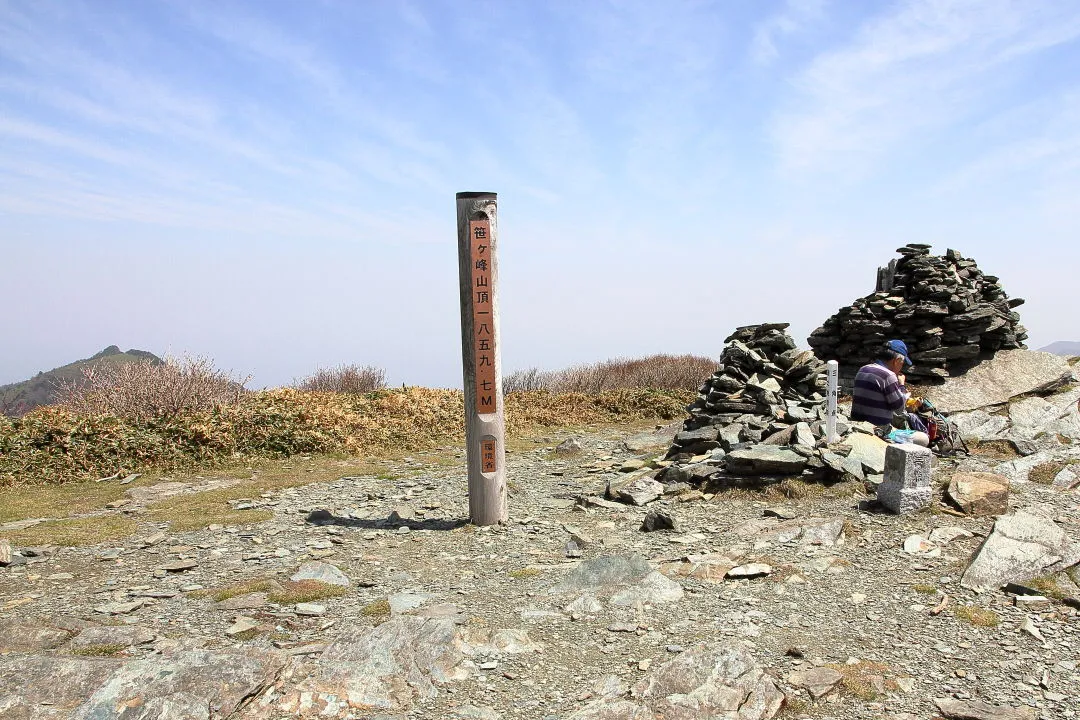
(925, 589)
(522, 573)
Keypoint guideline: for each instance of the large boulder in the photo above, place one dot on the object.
(1008, 374)
(1022, 546)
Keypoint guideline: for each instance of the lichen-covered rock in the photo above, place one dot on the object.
(1006, 375)
(706, 681)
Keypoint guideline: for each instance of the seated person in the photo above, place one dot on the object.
(879, 389)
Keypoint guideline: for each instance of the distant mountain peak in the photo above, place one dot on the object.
(1069, 348)
(111, 350)
(19, 398)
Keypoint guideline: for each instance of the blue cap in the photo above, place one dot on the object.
(899, 347)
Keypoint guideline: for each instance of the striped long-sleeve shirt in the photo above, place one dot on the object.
(877, 395)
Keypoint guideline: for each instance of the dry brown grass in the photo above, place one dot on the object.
(52, 445)
(347, 379)
(1045, 473)
(102, 650)
(301, 591)
(244, 587)
(1048, 586)
(378, 611)
(53, 501)
(658, 372)
(999, 449)
(74, 532)
(857, 679)
(195, 511)
(979, 617)
(146, 389)
(288, 592)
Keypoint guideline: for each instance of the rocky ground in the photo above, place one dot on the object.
(819, 603)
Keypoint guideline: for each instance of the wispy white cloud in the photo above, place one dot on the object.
(916, 70)
(261, 40)
(795, 18)
(1036, 145)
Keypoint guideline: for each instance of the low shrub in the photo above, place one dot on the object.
(657, 372)
(146, 389)
(348, 379)
(56, 445)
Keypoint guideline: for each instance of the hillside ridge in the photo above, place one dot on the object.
(1070, 348)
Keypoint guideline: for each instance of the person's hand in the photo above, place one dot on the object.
(901, 379)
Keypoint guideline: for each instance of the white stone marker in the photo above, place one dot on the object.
(906, 487)
(832, 370)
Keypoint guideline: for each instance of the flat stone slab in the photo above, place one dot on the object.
(113, 636)
(978, 710)
(21, 635)
(765, 460)
(1022, 546)
(406, 601)
(625, 580)
(869, 450)
(637, 489)
(808, 531)
(321, 572)
(1008, 374)
(817, 681)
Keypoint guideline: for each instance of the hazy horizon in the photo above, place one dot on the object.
(271, 184)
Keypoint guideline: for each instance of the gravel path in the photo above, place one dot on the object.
(859, 604)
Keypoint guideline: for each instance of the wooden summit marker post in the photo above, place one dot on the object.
(478, 273)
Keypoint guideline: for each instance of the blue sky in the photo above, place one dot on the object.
(271, 184)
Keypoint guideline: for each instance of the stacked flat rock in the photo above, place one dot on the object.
(760, 414)
(949, 313)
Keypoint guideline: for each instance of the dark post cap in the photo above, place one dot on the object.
(470, 195)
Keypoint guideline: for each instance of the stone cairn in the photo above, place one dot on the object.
(948, 312)
(761, 418)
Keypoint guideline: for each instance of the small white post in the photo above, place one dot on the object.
(832, 372)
